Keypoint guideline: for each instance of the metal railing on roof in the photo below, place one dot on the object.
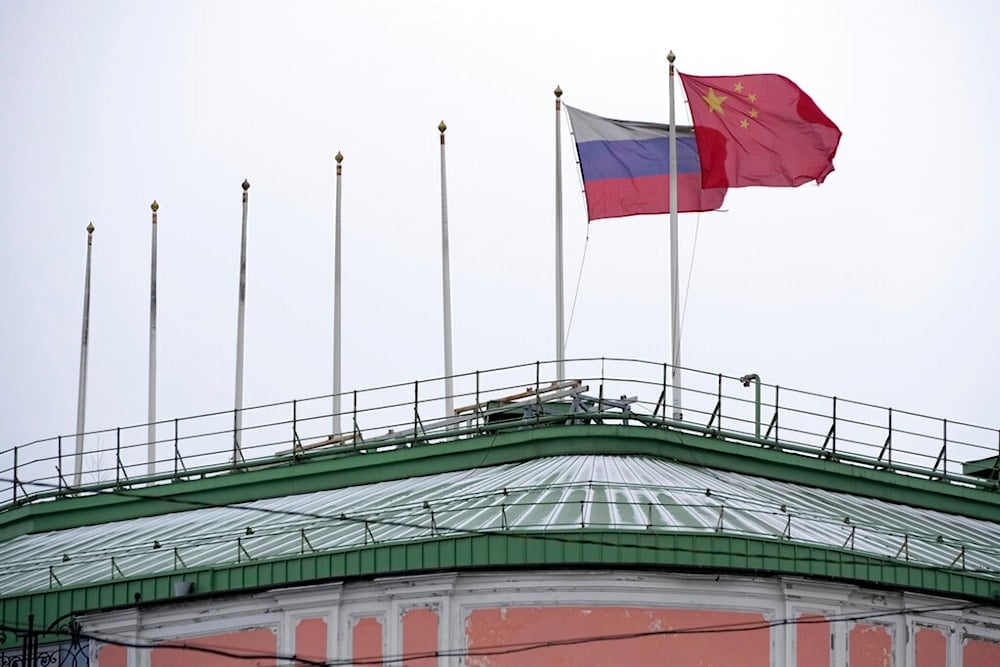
(603, 390)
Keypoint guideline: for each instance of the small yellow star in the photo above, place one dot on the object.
(714, 101)
(744, 123)
(738, 87)
(753, 98)
(754, 113)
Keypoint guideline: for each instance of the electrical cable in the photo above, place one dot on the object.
(687, 288)
(576, 292)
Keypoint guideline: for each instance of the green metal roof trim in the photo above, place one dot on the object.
(581, 548)
(332, 469)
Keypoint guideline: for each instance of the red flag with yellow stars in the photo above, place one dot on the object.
(759, 129)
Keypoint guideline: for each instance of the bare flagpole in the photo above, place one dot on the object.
(240, 321)
(675, 341)
(151, 423)
(337, 426)
(449, 386)
(82, 394)
(560, 323)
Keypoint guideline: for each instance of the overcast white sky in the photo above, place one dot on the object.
(878, 286)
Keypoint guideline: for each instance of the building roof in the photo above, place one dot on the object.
(526, 474)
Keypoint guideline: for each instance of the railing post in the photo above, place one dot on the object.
(835, 425)
(354, 416)
(60, 480)
(746, 380)
(600, 390)
(118, 456)
(177, 451)
(664, 391)
(538, 398)
(756, 408)
(296, 443)
(719, 398)
(477, 410)
(416, 416)
(890, 436)
(236, 437)
(944, 447)
(776, 413)
(15, 476)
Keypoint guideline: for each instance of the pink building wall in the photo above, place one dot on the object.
(585, 619)
(310, 639)
(979, 653)
(870, 646)
(260, 642)
(420, 637)
(931, 648)
(112, 656)
(644, 633)
(366, 639)
(812, 641)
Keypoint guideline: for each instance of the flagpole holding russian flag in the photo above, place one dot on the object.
(675, 342)
(560, 323)
(336, 305)
(151, 420)
(81, 403)
(449, 387)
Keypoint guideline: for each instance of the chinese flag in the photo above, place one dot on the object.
(759, 129)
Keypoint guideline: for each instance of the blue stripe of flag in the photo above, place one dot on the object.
(636, 158)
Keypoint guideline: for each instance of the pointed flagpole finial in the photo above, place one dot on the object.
(339, 157)
(154, 206)
(246, 185)
(558, 91)
(671, 57)
(90, 228)
(442, 127)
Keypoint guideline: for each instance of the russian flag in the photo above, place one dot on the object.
(626, 167)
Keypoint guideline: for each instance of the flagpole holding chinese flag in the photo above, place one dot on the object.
(675, 343)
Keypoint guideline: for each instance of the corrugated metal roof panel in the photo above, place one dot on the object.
(560, 492)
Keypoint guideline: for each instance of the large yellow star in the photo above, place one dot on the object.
(714, 101)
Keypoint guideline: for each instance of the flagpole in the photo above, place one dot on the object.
(675, 342)
(449, 387)
(82, 393)
(336, 305)
(560, 323)
(240, 321)
(151, 423)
